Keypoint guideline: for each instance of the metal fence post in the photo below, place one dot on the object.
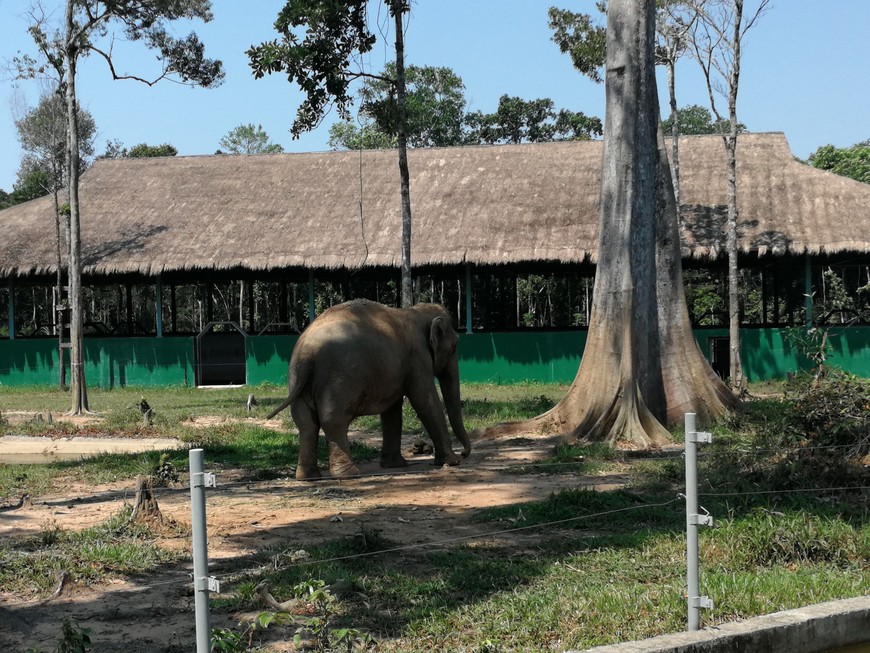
(202, 582)
(693, 520)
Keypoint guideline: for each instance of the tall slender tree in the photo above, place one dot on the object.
(43, 134)
(642, 368)
(89, 29)
(320, 64)
(716, 40)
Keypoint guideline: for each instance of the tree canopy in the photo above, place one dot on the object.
(435, 99)
(852, 162)
(42, 133)
(248, 139)
(530, 121)
(695, 119)
(437, 116)
(319, 63)
(116, 150)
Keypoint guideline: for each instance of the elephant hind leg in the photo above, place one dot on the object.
(309, 428)
(391, 426)
(340, 462)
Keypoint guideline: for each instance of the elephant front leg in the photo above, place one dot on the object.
(391, 425)
(431, 414)
(340, 462)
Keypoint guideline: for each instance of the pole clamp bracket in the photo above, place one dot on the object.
(701, 520)
(205, 479)
(207, 584)
(701, 602)
(700, 437)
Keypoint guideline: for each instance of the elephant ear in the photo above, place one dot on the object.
(438, 342)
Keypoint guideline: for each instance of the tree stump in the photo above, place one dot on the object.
(145, 508)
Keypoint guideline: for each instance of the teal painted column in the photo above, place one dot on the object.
(11, 309)
(467, 298)
(808, 290)
(310, 296)
(159, 311)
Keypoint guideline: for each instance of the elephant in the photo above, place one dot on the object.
(363, 358)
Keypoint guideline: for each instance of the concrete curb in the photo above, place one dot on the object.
(813, 629)
(23, 449)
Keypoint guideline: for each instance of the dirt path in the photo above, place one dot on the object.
(420, 506)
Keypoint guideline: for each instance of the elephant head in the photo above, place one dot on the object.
(443, 345)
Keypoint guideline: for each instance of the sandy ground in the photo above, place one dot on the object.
(420, 506)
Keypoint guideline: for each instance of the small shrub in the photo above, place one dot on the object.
(535, 405)
(834, 411)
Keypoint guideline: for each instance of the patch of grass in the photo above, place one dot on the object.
(766, 538)
(627, 511)
(112, 549)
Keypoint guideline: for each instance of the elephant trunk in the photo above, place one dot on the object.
(449, 382)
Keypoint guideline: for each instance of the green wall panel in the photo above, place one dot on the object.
(529, 356)
(268, 357)
(118, 362)
(28, 362)
(543, 356)
(109, 362)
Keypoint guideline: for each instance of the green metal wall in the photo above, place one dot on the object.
(544, 356)
(109, 362)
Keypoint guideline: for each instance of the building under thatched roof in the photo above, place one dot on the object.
(479, 205)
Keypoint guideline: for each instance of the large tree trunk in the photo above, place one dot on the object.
(401, 102)
(642, 368)
(78, 387)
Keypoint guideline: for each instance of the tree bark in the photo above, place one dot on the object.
(735, 365)
(78, 386)
(402, 138)
(642, 368)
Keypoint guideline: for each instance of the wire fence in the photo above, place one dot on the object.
(285, 560)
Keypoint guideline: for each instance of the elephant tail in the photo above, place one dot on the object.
(298, 375)
(281, 407)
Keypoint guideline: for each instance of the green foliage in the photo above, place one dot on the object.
(533, 121)
(32, 184)
(249, 139)
(324, 638)
(578, 36)
(852, 162)
(346, 135)
(705, 297)
(437, 117)
(143, 150)
(241, 640)
(319, 63)
(42, 133)
(435, 105)
(695, 119)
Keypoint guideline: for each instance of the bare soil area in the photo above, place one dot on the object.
(420, 505)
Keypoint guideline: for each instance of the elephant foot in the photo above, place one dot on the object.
(303, 474)
(393, 461)
(448, 459)
(343, 471)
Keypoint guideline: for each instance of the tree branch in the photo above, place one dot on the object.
(116, 76)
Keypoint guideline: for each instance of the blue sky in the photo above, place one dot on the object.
(806, 72)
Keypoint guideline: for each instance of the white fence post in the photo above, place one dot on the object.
(202, 582)
(693, 520)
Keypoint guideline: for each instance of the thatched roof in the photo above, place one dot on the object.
(483, 205)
